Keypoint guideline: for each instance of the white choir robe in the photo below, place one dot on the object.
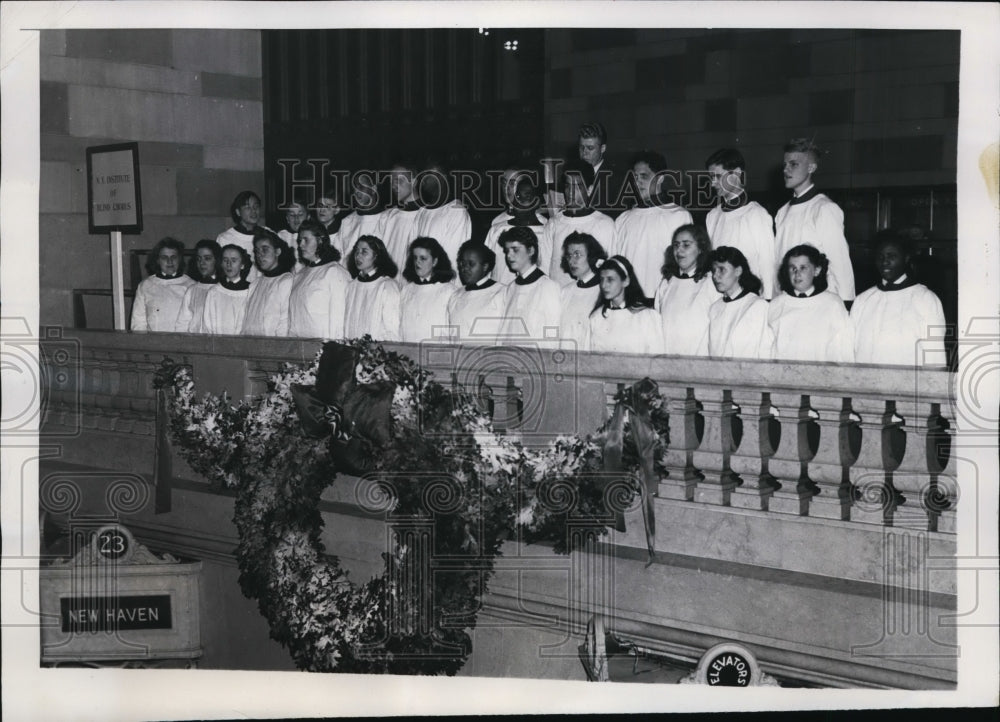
(626, 330)
(235, 237)
(423, 312)
(642, 235)
(476, 316)
(751, 230)
(399, 231)
(267, 306)
(191, 317)
(531, 311)
(889, 324)
(316, 303)
(501, 272)
(575, 304)
(353, 226)
(372, 309)
(225, 310)
(683, 305)
(818, 222)
(158, 303)
(816, 328)
(597, 224)
(739, 329)
(449, 225)
(292, 239)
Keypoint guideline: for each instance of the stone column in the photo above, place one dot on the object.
(874, 498)
(712, 455)
(750, 459)
(941, 501)
(682, 475)
(790, 462)
(912, 478)
(834, 455)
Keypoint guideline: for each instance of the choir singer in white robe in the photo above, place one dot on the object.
(582, 256)
(226, 305)
(423, 302)
(686, 292)
(319, 291)
(476, 311)
(531, 312)
(372, 295)
(737, 322)
(623, 319)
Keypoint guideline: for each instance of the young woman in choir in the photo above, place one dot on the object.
(523, 214)
(423, 301)
(737, 322)
(158, 298)
(623, 320)
(440, 217)
(267, 306)
(330, 214)
(476, 311)
(207, 265)
(809, 322)
(226, 305)
(245, 212)
(898, 321)
(319, 291)
(582, 256)
(531, 311)
(686, 292)
(372, 306)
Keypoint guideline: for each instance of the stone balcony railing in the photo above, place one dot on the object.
(794, 476)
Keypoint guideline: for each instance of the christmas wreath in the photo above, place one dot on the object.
(450, 486)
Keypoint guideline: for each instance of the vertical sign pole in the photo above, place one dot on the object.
(117, 280)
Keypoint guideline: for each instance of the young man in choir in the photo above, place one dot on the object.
(737, 322)
(158, 298)
(372, 296)
(226, 305)
(367, 217)
(809, 322)
(686, 292)
(531, 310)
(423, 301)
(401, 219)
(810, 217)
(898, 321)
(441, 218)
(319, 291)
(267, 305)
(622, 320)
(524, 214)
(576, 217)
(643, 233)
(245, 212)
(582, 256)
(736, 220)
(206, 272)
(476, 311)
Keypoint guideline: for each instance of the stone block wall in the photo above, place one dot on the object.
(192, 99)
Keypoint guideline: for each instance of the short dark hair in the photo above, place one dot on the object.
(805, 145)
(728, 158)
(635, 297)
(238, 202)
(486, 254)
(325, 251)
(286, 258)
(735, 258)
(595, 251)
(211, 245)
(652, 158)
(443, 272)
(246, 263)
(152, 260)
(384, 265)
(593, 130)
(523, 235)
(815, 256)
(703, 266)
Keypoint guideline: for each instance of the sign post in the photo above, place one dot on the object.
(114, 206)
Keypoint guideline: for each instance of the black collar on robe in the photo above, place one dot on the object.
(594, 280)
(805, 197)
(239, 229)
(530, 278)
(684, 276)
(240, 285)
(797, 294)
(276, 271)
(743, 293)
(160, 275)
(334, 227)
(578, 212)
(409, 206)
(425, 282)
(524, 221)
(368, 279)
(732, 204)
(480, 286)
(907, 283)
(369, 212)
(317, 262)
(210, 280)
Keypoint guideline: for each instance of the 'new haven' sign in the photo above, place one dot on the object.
(112, 614)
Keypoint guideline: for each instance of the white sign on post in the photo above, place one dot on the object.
(114, 206)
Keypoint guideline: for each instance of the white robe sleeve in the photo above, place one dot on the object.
(831, 240)
(186, 315)
(387, 312)
(336, 280)
(139, 320)
(652, 331)
(762, 231)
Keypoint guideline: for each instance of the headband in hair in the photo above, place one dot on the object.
(619, 265)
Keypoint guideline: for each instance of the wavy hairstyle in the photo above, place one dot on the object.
(596, 254)
(703, 267)
(735, 258)
(443, 272)
(523, 235)
(634, 295)
(211, 245)
(152, 260)
(286, 257)
(815, 256)
(384, 265)
(325, 250)
(246, 263)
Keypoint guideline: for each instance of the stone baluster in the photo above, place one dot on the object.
(839, 439)
(912, 478)
(874, 498)
(755, 446)
(712, 454)
(790, 461)
(682, 476)
(941, 500)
